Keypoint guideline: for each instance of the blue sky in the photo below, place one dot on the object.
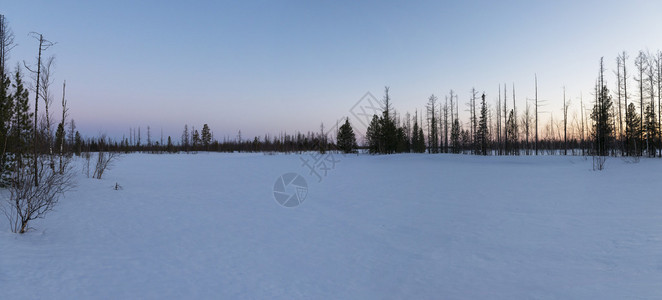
(274, 66)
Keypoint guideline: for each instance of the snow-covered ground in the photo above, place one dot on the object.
(376, 227)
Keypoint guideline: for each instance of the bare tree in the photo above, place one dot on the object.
(445, 113)
(526, 123)
(618, 94)
(46, 79)
(505, 120)
(565, 124)
(104, 162)
(515, 136)
(640, 62)
(498, 122)
(652, 127)
(473, 119)
(6, 44)
(27, 201)
(658, 78)
(582, 115)
(433, 136)
(623, 58)
(62, 138)
(43, 45)
(536, 98)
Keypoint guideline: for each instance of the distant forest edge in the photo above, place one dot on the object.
(621, 120)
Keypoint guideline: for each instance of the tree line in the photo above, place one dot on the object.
(35, 165)
(619, 121)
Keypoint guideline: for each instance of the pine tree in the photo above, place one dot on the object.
(414, 137)
(601, 116)
(401, 140)
(6, 108)
(632, 129)
(206, 136)
(185, 138)
(59, 136)
(388, 128)
(433, 136)
(421, 140)
(455, 136)
(6, 103)
(78, 143)
(650, 130)
(195, 139)
(511, 129)
(22, 116)
(346, 138)
(373, 135)
(482, 128)
(170, 148)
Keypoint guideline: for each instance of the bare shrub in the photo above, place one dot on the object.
(86, 166)
(104, 162)
(599, 162)
(27, 201)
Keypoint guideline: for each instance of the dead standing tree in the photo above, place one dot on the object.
(565, 124)
(46, 79)
(43, 46)
(640, 63)
(62, 138)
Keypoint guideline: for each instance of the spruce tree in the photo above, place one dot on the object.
(482, 137)
(6, 108)
(373, 135)
(78, 143)
(421, 140)
(206, 136)
(650, 130)
(632, 129)
(346, 138)
(59, 136)
(511, 130)
(455, 136)
(195, 139)
(388, 129)
(170, 148)
(414, 137)
(602, 124)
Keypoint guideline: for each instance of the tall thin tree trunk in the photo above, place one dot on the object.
(536, 98)
(36, 106)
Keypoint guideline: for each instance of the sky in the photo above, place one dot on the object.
(267, 67)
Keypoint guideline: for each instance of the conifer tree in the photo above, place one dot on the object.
(650, 130)
(59, 136)
(421, 140)
(388, 128)
(373, 135)
(482, 127)
(455, 136)
(206, 136)
(414, 138)
(195, 139)
(78, 143)
(346, 138)
(601, 116)
(632, 129)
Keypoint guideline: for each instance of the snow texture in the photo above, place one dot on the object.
(376, 227)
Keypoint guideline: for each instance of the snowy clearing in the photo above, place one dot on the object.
(377, 227)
